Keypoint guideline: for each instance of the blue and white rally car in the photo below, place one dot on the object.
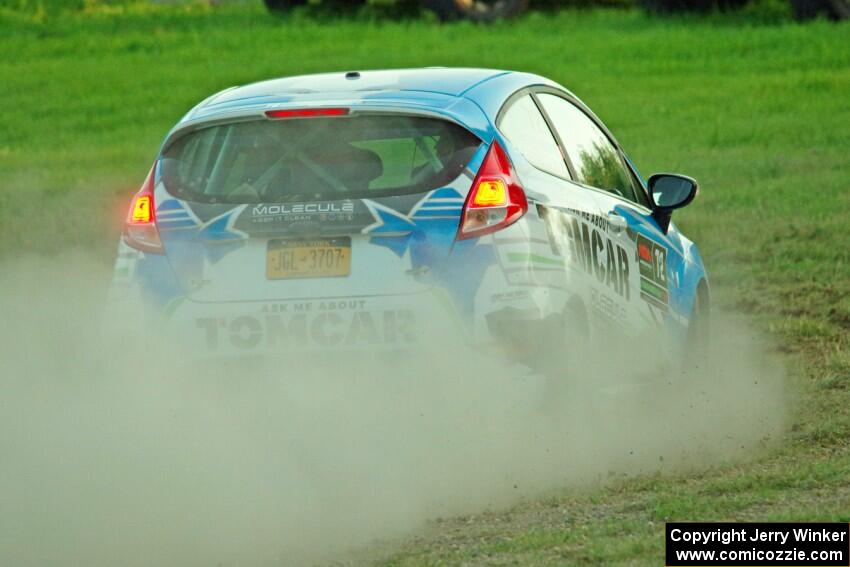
(383, 208)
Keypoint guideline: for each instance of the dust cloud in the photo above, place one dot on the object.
(114, 453)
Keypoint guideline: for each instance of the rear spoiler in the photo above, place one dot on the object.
(462, 112)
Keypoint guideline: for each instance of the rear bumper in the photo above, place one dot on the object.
(474, 304)
(384, 323)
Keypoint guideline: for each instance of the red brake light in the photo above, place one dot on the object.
(496, 199)
(142, 211)
(140, 230)
(306, 112)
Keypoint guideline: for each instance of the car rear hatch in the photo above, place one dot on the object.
(305, 203)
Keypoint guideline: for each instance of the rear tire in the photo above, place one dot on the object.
(482, 11)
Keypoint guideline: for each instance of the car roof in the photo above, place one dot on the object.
(442, 80)
(357, 85)
(467, 95)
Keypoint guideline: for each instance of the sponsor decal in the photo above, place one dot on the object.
(323, 324)
(172, 214)
(430, 224)
(322, 211)
(608, 307)
(601, 257)
(426, 236)
(592, 250)
(181, 229)
(510, 296)
(652, 260)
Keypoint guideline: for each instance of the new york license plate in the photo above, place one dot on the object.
(308, 258)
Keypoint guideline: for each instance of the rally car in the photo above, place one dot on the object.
(384, 209)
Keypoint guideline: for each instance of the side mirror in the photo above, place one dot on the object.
(670, 191)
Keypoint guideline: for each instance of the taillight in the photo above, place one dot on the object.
(496, 199)
(140, 227)
(306, 112)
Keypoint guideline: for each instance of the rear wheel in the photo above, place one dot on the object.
(476, 10)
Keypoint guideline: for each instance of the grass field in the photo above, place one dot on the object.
(760, 114)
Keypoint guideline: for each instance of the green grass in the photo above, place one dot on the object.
(760, 114)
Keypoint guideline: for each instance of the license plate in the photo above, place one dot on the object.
(309, 258)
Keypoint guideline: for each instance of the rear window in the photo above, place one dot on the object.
(316, 159)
